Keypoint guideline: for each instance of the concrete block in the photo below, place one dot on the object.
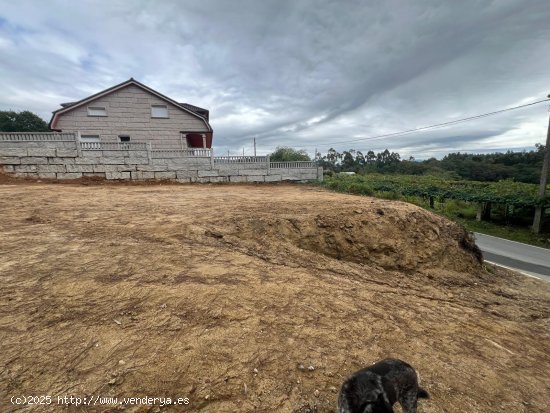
(219, 179)
(80, 168)
(141, 175)
(152, 168)
(117, 175)
(13, 151)
(41, 152)
(293, 177)
(105, 168)
(115, 154)
(47, 175)
(138, 154)
(207, 173)
(186, 174)
(25, 168)
(93, 174)
(253, 172)
(91, 154)
(187, 163)
(50, 168)
(30, 160)
(136, 160)
(262, 166)
(237, 178)
(124, 168)
(93, 160)
(256, 178)
(66, 153)
(7, 168)
(111, 161)
(72, 175)
(273, 178)
(40, 144)
(165, 175)
(10, 160)
(66, 145)
(61, 161)
(183, 180)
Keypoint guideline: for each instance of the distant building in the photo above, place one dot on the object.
(133, 112)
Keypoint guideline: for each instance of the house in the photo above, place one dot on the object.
(133, 112)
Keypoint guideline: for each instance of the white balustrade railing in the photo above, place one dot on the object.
(292, 165)
(37, 136)
(182, 153)
(113, 146)
(240, 159)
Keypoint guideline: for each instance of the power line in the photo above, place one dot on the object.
(437, 125)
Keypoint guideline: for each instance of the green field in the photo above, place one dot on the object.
(511, 203)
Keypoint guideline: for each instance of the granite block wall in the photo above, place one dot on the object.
(58, 157)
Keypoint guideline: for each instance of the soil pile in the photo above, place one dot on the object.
(392, 238)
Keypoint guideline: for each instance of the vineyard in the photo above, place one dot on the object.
(505, 192)
(504, 209)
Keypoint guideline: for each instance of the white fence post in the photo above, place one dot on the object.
(212, 158)
(268, 160)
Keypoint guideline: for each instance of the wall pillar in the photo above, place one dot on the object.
(212, 158)
(149, 154)
(77, 142)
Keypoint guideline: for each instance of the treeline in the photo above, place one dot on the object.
(519, 166)
(25, 121)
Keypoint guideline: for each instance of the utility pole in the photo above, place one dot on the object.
(539, 211)
(243, 152)
(254, 146)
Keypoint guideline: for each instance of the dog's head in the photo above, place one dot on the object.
(363, 394)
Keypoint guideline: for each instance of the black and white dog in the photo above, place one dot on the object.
(375, 389)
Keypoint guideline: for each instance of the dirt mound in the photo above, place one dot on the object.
(403, 239)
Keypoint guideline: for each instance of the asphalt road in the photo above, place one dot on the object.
(527, 259)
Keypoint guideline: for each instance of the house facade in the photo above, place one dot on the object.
(133, 112)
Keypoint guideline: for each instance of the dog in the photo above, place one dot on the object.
(375, 389)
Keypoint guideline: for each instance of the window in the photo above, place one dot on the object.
(89, 138)
(159, 111)
(124, 138)
(97, 111)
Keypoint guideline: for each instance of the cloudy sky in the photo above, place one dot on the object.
(302, 73)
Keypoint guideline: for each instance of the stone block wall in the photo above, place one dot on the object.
(64, 159)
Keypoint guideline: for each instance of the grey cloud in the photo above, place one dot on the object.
(306, 74)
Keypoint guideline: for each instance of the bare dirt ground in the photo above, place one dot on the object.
(228, 294)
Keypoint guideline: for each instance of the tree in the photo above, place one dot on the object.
(24, 121)
(348, 160)
(360, 159)
(371, 157)
(287, 154)
(332, 158)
